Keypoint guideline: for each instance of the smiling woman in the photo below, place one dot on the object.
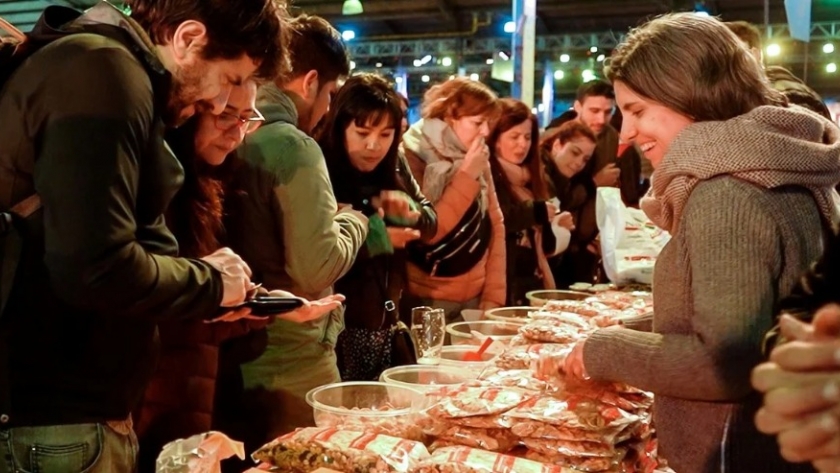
(744, 184)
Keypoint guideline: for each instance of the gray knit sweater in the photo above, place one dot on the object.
(738, 249)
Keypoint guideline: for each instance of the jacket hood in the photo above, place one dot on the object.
(276, 105)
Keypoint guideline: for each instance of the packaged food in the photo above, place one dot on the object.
(581, 414)
(468, 401)
(493, 440)
(543, 430)
(470, 460)
(522, 379)
(346, 451)
(578, 464)
(551, 331)
(521, 358)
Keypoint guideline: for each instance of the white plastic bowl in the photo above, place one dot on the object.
(541, 297)
(516, 315)
(426, 378)
(367, 406)
(453, 355)
(461, 333)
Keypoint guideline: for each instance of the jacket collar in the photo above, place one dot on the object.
(277, 105)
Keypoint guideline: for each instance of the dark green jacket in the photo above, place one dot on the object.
(99, 269)
(284, 221)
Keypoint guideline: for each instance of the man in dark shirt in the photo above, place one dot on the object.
(82, 127)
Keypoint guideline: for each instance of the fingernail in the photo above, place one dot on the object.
(829, 423)
(831, 392)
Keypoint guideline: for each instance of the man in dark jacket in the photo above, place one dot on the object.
(285, 222)
(98, 268)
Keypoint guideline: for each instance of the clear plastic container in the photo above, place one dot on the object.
(426, 378)
(539, 298)
(461, 333)
(453, 355)
(368, 407)
(516, 315)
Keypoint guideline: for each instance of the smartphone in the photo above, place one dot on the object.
(266, 306)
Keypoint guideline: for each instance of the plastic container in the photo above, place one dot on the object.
(368, 406)
(461, 333)
(453, 355)
(539, 298)
(425, 378)
(516, 315)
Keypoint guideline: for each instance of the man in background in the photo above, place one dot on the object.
(285, 222)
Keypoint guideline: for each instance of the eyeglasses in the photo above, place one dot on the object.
(226, 121)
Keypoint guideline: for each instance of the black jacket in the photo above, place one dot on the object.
(98, 268)
(373, 281)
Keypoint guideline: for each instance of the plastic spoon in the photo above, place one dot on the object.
(478, 355)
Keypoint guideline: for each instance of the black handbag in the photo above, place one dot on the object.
(460, 250)
(402, 346)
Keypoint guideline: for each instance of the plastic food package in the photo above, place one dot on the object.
(499, 377)
(403, 427)
(494, 440)
(201, 453)
(470, 460)
(578, 464)
(345, 451)
(630, 242)
(470, 401)
(521, 358)
(580, 414)
(553, 331)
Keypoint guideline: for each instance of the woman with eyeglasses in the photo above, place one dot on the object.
(179, 401)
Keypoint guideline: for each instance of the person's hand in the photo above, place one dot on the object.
(566, 220)
(828, 465)
(311, 310)
(595, 246)
(574, 362)
(401, 236)
(242, 313)
(236, 275)
(477, 159)
(607, 176)
(568, 362)
(396, 205)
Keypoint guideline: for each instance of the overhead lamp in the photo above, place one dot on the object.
(510, 27)
(425, 78)
(828, 48)
(565, 58)
(378, 64)
(504, 56)
(352, 65)
(559, 75)
(418, 63)
(593, 49)
(601, 58)
(540, 107)
(774, 50)
(352, 7)
(348, 35)
(446, 62)
(587, 75)
(489, 61)
(831, 68)
(473, 76)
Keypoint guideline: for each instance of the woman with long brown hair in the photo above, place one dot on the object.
(535, 228)
(744, 183)
(464, 265)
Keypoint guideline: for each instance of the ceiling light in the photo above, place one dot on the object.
(510, 27)
(446, 62)
(774, 50)
(474, 76)
(593, 49)
(348, 35)
(490, 61)
(398, 79)
(424, 78)
(601, 57)
(418, 63)
(828, 48)
(587, 75)
(504, 55)
(352, 65)
(565, 58)
(352, 7)
(378, 64)
(540, 107)
(559, 75)
(831, 68)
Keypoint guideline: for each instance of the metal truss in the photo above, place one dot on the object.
(546, 44)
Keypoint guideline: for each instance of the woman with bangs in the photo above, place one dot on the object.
(360, 138)
(464, 265)
(536, 230)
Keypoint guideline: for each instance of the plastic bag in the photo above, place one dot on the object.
(479, 401)
(344, 451)
(201, 453)
(470, 460)
(630, 242)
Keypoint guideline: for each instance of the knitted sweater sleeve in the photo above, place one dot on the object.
(732, 255)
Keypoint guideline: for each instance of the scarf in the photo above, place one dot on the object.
(768, 147)
(436, 144)
(519, 178)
